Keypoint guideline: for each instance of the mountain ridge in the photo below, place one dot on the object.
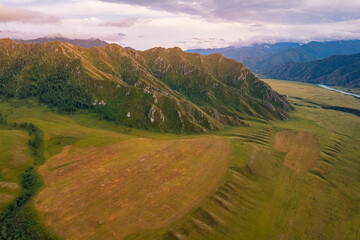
(85, 43)
(160, 89)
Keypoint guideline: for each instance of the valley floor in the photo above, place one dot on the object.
(298, 179)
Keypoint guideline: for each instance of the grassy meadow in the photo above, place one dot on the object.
(297, 179)
(14, 159)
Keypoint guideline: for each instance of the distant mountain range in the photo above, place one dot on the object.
(85, 43)
(249, 55)
(256, 50)
(263, 57)
(340, 70)
(160, 89)
(309, 52)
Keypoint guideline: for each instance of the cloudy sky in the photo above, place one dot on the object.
(143, 24)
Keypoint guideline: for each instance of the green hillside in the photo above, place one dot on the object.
(160, 89)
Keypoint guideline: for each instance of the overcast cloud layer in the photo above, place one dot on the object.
(143, 24)
(280, 11)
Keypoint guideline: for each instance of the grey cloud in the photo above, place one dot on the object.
(25, 16)
(128, 22)
(256, 25)
(124, 23)
(285, 11)
(199, 41)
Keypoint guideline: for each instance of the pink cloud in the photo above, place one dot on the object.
(25, 16)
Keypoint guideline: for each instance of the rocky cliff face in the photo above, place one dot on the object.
(161, 89)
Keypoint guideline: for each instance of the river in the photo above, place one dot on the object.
(340, 91)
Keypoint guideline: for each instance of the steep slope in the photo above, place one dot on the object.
(85, 43)
(341, 70)
(162, 89)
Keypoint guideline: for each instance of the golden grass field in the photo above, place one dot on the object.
(302, 150)
(129, 186)
(104, 181)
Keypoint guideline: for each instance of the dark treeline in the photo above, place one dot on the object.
(58, 87)
(2, 119)
(19, 220)
(58, 92)
(343, 109)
